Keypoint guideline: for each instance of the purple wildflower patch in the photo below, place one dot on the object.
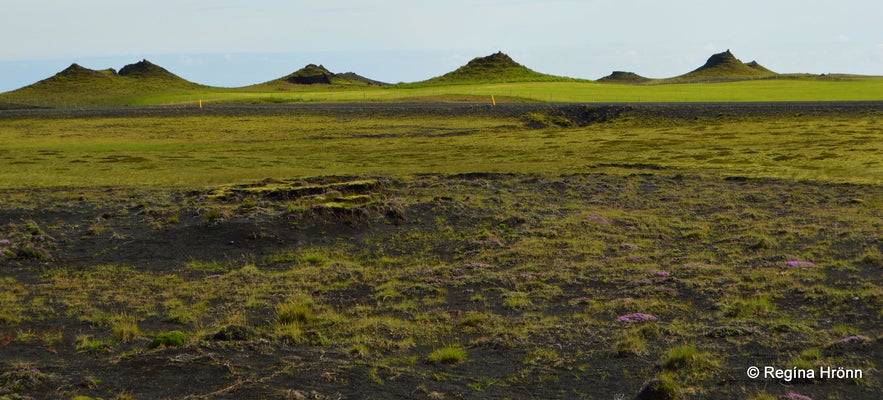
(796, 263)
(854, 339)
(662, 273)
(5, 242)
(637, 317)
(797, 396)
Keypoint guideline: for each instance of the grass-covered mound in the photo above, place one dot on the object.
(497, 67)
(624, 77)
(313, 74)
(725, 67)
(80, 86)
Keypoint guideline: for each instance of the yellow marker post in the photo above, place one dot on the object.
(493, 102)
(200, 103)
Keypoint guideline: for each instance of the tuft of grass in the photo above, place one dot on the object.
(450, 354)
(294, 312)
(630, 344)
(124, 327)
(516, 300)
(89, 344)
(763, 242)
(752, 307)
(663, 387)
(688, 361)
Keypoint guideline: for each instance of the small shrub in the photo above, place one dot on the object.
(448, 355)
(168, 339)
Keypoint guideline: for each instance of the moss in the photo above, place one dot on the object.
(168, 339)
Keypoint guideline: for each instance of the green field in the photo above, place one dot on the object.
(204, 150)
(744, 91)
(785, 89)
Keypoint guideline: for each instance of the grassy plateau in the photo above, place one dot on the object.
(573, 252)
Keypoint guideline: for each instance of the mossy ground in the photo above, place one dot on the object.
(479, 285)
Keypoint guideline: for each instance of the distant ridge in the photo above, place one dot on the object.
(497, 67)
(624, 77)
(725, 66)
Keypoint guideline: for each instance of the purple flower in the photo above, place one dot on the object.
(637, 317)
(214, 276)
(795, 263)
(797, 396)
(854, 339)
(600, 220)
(5, 242)
(662, 273)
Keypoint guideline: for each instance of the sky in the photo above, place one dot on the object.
(233, 43)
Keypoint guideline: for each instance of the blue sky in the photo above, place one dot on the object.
(235, 43)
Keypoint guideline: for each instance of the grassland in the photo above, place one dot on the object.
(199, 150)
(430, 255)
(785, 89)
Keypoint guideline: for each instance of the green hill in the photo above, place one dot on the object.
(725, 67)
(145, 72)
(624, 77)
(313, 74)
(77, 85)
(497, 67)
